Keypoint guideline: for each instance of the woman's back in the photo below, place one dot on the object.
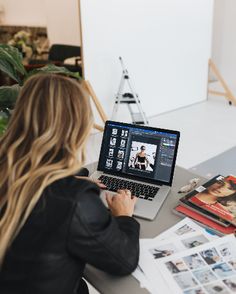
(68, 227)
(52, 223)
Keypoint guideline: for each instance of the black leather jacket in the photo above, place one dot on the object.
(68, 228)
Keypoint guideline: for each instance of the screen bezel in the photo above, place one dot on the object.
(136, 177)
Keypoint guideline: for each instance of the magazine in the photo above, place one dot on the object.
(185, 202)
(217, 196)
(211, 225)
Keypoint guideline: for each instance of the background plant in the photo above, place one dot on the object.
(11, 64)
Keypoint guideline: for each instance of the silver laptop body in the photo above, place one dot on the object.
(143, 156)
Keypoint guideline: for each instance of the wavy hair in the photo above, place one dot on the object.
(44, 142)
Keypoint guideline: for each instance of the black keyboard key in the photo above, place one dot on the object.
(139, 190)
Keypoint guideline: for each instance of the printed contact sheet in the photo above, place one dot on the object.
(206, 269)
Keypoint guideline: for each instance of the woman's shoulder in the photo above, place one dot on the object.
(72, 188)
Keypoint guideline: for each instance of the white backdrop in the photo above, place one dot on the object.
(165, 45)
(224, 41)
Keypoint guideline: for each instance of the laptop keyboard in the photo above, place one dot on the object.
(139, 190)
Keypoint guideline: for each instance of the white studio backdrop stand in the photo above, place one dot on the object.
(165, 45)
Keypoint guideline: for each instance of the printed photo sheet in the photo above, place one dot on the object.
(206, 269)
(185, 234)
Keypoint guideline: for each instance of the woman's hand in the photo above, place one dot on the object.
(121, 204)
(100, 184)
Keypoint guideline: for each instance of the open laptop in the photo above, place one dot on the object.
(141, 159)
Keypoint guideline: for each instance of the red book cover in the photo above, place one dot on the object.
(217, 196)
(204, 220)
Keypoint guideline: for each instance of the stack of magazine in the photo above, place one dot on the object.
(213, 204)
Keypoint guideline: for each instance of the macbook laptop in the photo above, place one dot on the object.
(141, 159)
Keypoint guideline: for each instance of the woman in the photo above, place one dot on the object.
(219, 198)
(52, 223)
(141, 161)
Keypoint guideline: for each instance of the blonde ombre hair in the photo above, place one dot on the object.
(44, 142)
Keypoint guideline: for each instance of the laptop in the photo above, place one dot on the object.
(141, 159)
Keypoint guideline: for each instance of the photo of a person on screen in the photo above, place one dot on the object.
(141, 161)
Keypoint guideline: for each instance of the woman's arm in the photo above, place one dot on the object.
(95, 236)
(136, 158)
(147, 161)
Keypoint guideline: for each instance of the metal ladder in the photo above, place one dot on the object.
(130, 98)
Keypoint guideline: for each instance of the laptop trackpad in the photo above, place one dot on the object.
(143, 208)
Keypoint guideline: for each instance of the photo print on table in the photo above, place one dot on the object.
(223, 270)
(232, 263)
(216, 288)
(176, 266)
(204, 275)
(197, 290)
(195, 241)
(210, 256)
(185, 229)
(194, 261)
(227, 251)
(185, 280)
(231, 283)
(163, 251)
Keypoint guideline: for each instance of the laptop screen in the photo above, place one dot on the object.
(137, 152)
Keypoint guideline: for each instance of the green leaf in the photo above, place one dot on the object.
(11, 62)
(7, 68)
(8, 96)
(51, 68)
(13, 56)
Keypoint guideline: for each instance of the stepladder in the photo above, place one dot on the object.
(129, 98)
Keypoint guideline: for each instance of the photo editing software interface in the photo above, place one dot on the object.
(138, 152)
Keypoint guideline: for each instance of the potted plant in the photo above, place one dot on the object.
(11, 64)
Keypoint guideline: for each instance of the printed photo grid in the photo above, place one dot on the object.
(208, 271)
(178, 238)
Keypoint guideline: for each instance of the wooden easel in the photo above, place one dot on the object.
(227, 92)
(97, 104)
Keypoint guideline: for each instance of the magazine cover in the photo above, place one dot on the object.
(217, 196)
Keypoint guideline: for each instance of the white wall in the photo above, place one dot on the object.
(61, 17)
(165, 45)
(224, 40)
(63, 21)
(24, 12)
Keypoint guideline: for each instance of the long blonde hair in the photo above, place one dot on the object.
(44, 142)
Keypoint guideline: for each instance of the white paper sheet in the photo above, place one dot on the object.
(206, 269)
(184, 233)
